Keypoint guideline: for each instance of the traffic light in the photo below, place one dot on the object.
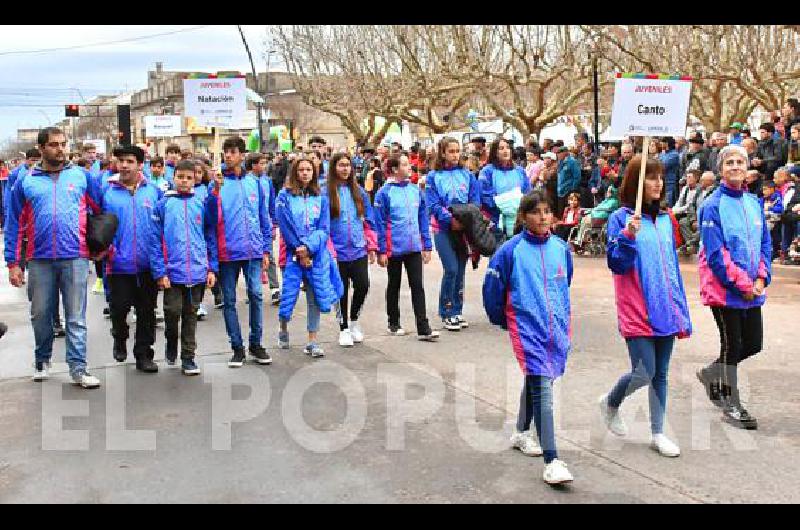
(71, 111)
(124, 124)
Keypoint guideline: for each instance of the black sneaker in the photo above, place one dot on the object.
(218, 303)
(172, 357)
(3, 329)
(147, 366)
(736, 415)
(107, 313)
(276, 297)
(120, 351)
(260, 354)
(237, 361)
(451, 324)
(396, 330)
(58, 330)
(713, 388)
(429, 335)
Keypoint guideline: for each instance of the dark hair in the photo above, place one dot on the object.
(252, 159)
(316, 140)
(670, 141)
(206, 169)
(376, 162)
(439, 163)
(33, 153)
(157, 160)
(629, 189)
(333, 187)
(393, 163)
(494, 150)
(84, 163)
(88, 147)
(795, 104)
(123, 150)
(44, 135)
(574, 194)
(528, 204)
(293, 182)
(234, 142)
(696, 172)
(173, 148)
(767, 126)
(185, 165)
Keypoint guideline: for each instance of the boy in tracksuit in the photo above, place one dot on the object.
(256, 164)
(183, 255)
(404, 239)
(238, 207)
(131, 197)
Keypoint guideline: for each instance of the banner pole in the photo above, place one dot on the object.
(642, 172)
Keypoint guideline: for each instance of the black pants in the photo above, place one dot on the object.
(413, 264)
(180, 318)
(741, 336)
(358, 272)
(139, 291)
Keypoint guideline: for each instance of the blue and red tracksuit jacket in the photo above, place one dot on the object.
(651, 300)
(201, 192)
(526, 291)
(449, 186)
(401, 219)
(304, 220)
(735, 248)
(183, 246)
(169, 173)
(353, 236)
(240, 212)
(495, 181)
(130, 251)
(51, 212)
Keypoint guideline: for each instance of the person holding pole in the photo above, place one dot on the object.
(651, 301)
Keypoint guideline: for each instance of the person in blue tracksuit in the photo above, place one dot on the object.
(303, 215)
(183, 258)
(671, 161)
(651, 301)
(256, 164)
(354, 243)
(50, 205)
(202, 178)
(498, 177)
(526, 291)
(171, 157)
(239, 208)
(735, 264)
(450, 183)
(131, 198)
(157, 177)
(403, 225)
(32, 159)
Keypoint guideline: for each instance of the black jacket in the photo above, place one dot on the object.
(477, 230)
(770, 152)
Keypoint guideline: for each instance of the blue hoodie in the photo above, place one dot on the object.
(352, 236)
(401, 219)
(569, 175)
(183, 246)
(130, 251)
(444, 187)
(526, 291)
(672, 166)
(498, 180)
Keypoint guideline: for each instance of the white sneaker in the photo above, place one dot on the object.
(85, 380)
(556, 472)
(356, 332)
(664, 446)
(462, 321)
(40, 372)
(526, 443)
(345, 338)
(201, 313)
(612, 419)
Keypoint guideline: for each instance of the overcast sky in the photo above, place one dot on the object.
(42, 82)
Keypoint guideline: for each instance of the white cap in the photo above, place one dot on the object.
(551, 156)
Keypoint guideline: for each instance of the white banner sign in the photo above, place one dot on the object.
(162, 126)
(650, 107)
(215, 102)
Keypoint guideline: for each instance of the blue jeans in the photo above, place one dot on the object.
(649, 366)
(536, 403)
(229, 277)
(451, 292)
(314, 312)
(69, 277)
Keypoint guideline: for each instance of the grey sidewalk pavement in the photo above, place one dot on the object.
(455, 452)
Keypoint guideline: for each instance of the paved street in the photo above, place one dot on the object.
(428, 422)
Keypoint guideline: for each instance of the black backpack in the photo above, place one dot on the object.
(100, 231)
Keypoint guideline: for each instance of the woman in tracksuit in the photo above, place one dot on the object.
(651, 302)
(354, 242)
(449, 183)
(735, 269)
(500, 176)
(526, 291)
(303, 217)
(404, 239)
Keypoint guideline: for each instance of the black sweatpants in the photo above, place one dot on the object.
(180, 318)
(139, 291)
(413, 265)
(741, 336)
(358, 272)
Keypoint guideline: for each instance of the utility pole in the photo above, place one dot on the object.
(596, 91)
(255, 80)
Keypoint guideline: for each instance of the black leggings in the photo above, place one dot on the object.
(741, 336)
(358, 272)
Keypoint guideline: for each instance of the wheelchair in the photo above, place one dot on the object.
(594, 240)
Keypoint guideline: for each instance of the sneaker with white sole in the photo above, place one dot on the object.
(276, 297)
(283, 340)
(189, 367)
(462, 321)
(356, 332)
(159, 317)
(556, 472)
(40, 371)
(397, 331)
(428, 336)
(345, 338)
(526, 443)
(664, 446)
(451, 324)
(201, 313)
(314, 350)
(84, 379)
(611, 417)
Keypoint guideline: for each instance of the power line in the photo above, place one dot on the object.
(107, 43)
